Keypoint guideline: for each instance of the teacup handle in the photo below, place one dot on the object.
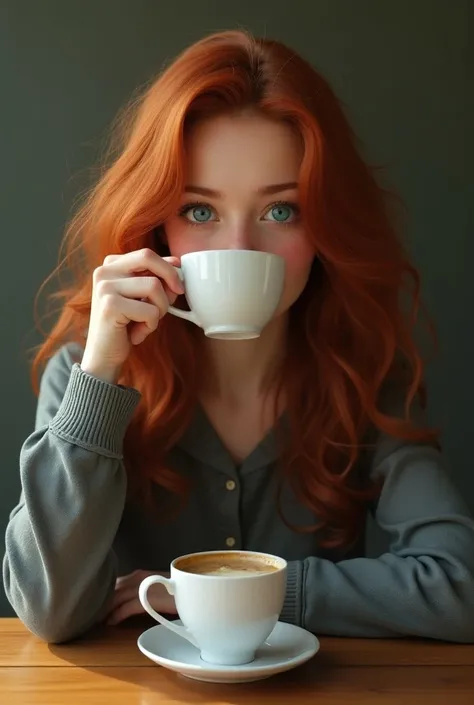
(170, 586)
(188, 315)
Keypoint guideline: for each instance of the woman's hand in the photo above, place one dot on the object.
(130, 294)
(125, 602)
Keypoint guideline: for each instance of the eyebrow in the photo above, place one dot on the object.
(262, 191)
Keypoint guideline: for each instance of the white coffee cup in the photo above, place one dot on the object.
(227, 615)
(232, 294)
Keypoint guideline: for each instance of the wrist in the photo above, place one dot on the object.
(105, 373)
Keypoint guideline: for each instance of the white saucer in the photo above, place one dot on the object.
(286, 647)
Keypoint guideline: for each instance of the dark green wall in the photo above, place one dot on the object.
(403, 70)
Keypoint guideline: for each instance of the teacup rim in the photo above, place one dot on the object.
(281, 563)
(230, 249)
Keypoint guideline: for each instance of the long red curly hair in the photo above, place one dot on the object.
(348, 332)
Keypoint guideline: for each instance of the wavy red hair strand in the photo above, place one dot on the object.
(349, 334)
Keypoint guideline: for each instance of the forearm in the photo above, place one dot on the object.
(390, 596)
(424, 587)
(59, 567)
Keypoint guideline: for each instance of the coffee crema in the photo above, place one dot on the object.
(228, 565)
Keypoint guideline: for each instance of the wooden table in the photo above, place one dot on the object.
(106, 667)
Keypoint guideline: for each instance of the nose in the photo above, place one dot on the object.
(240, 237)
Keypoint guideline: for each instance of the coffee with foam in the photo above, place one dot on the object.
(228, 565)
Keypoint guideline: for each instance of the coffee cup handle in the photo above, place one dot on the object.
(187, 315)
(170, 586)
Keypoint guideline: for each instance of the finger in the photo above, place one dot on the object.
(110, 259)
(126, 610)
(123, 579)
(122, 596)
(113, 266)
(165, 605)
(175, 261)
(138, 332)
(144, 260)
(136, 288)
(128, 589)
(124, 311)
(127, 593)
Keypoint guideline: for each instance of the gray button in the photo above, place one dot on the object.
(230, 484)
(230, 541)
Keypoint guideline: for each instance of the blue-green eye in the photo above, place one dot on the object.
(282, 213)
(197, 213)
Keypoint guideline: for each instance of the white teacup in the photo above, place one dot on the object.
(229, 601)
(232, 294)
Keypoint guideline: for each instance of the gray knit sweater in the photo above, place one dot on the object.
(73, 530)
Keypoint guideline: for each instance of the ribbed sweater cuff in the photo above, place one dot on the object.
(95, 414)
(292, 606)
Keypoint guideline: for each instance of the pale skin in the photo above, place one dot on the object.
(241, 193)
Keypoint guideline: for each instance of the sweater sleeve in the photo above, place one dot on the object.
(59, 566)
(424, 585)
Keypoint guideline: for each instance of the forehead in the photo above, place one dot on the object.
(242, 150)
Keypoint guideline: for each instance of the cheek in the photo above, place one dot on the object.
(178, 239)
(182, 238)
(299, 256)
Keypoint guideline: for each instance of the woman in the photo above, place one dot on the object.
(153, 441)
